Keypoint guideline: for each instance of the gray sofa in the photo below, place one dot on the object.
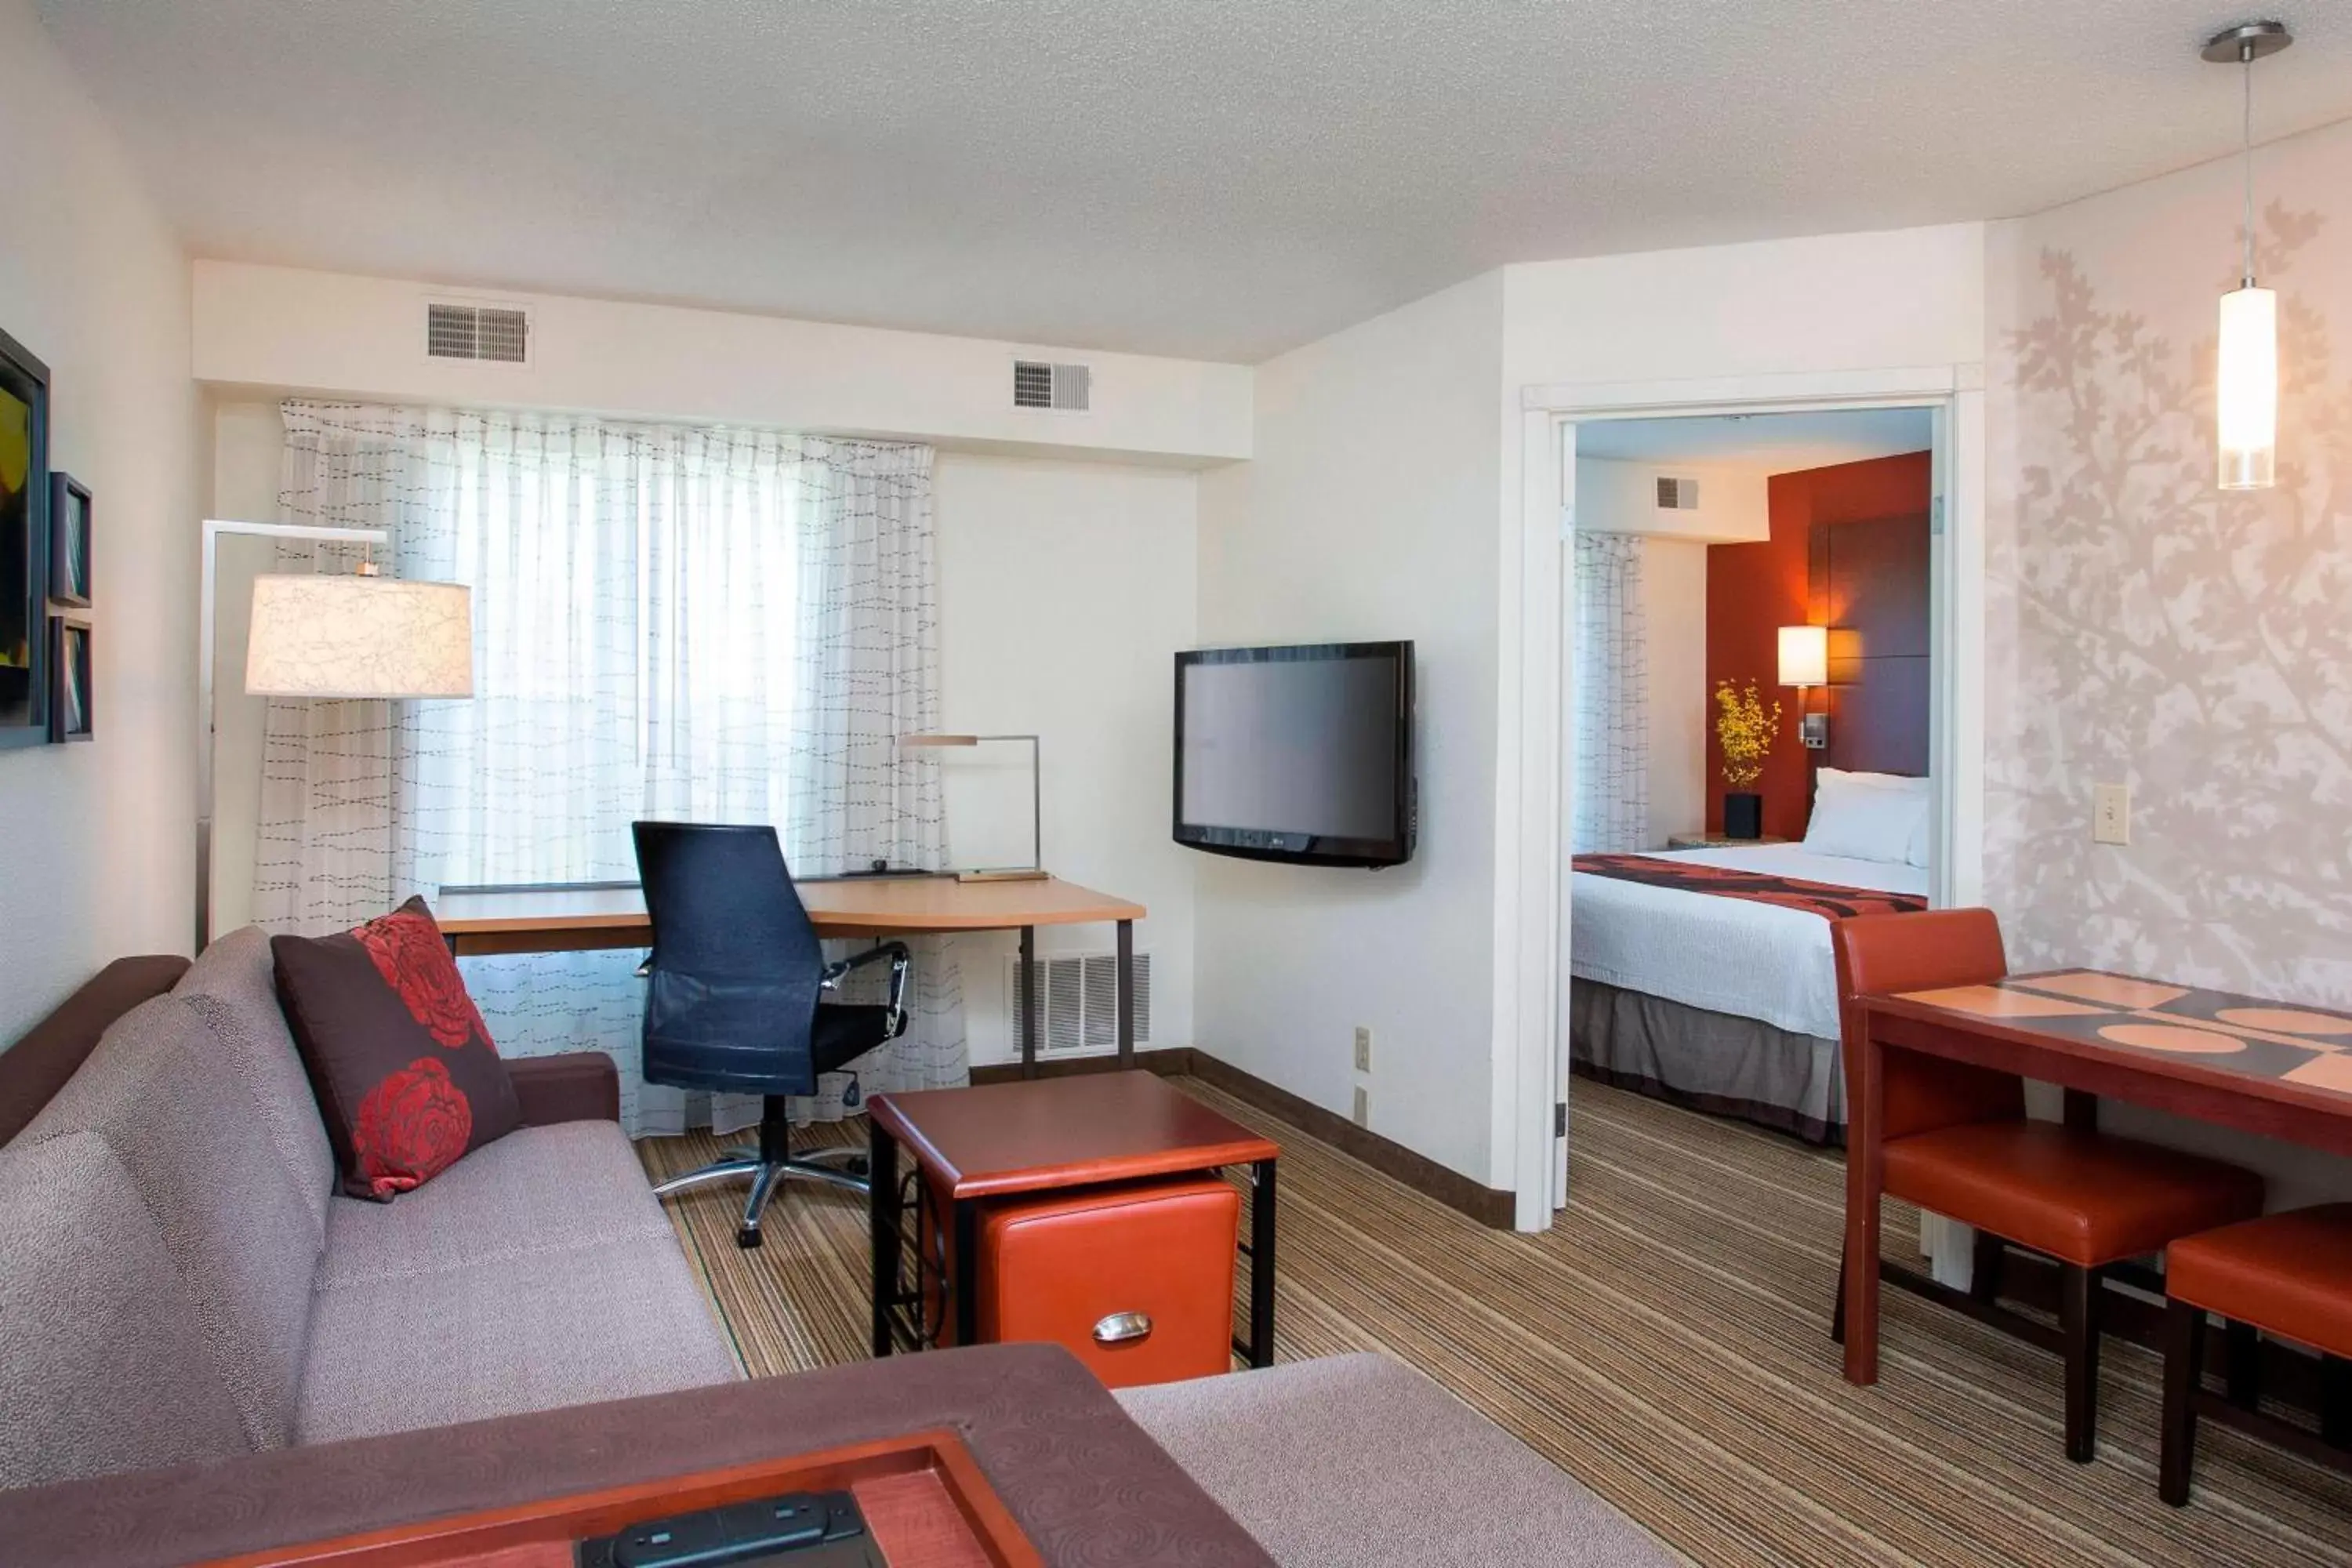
(184, 1295)
(180, 1280)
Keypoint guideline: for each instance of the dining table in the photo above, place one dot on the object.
(2277, 1068)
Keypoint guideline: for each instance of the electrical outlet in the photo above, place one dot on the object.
(2111, 814)
(1363, 1049)
(1363, 1111)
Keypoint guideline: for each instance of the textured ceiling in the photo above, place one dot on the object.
(1216, 178)
(1776, 442)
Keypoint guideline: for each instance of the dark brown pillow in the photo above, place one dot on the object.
(407, 1077)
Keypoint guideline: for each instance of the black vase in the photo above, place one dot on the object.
(1743, 817)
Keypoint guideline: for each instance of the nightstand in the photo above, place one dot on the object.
(1718, 841)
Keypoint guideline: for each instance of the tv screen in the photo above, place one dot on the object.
(1297, 753)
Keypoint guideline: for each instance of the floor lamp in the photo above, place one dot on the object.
(325, 635)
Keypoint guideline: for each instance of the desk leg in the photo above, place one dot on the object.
(1865, 1112)
(882, 1171)
(2082, 1111)
(1028, 968)
(966, 1271)
(1261, 1340)
(1125, 994)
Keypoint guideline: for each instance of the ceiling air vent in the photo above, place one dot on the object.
(1066, 387)
(497, 333)
(1678, 495)
(1077, 1001)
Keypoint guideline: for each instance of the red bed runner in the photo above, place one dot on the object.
(1824, 898)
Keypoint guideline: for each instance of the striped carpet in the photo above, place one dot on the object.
(1666, 1342)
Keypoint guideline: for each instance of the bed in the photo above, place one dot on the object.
(1704, 977)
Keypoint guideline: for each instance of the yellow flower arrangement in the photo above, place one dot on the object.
(1745, 730)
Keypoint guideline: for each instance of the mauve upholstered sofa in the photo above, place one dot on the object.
(204, 1350)
(180, 1280)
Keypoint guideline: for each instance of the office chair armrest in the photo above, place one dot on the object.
(901, 960)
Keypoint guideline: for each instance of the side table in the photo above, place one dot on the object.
(1043, 1135)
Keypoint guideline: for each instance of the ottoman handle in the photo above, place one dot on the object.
(1120, 1327)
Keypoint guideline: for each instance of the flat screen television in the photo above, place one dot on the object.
(1297, 754)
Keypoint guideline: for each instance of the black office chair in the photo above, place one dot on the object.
(734, 998)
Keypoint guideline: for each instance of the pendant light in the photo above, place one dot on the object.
(2245, 380)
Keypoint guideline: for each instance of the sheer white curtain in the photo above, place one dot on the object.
(705, 624)
(1611, 811)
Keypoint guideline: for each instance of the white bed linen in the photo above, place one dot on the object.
(1750, 960)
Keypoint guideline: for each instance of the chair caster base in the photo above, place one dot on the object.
(860, 1167)
(747, 1237)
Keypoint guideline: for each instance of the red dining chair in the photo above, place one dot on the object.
(1955, 1140)
(2289, 1274)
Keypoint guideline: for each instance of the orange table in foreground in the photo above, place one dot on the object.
(482, 921)
(2238, 1061)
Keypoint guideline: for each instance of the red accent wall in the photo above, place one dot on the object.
(1754, 590)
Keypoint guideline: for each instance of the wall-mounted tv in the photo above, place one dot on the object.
(1297, 754)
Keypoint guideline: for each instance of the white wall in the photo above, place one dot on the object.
(1367, 513)
(1674, 600)
(96, 848)
(283, 329)
(1617, 496)
(1065, 590)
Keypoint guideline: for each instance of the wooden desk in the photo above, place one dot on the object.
(480, 922)
(2261, 1066)
(995, 1141)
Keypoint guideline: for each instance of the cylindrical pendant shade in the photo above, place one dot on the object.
(321, 635)
(2246, 390)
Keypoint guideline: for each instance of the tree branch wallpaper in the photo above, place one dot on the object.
(2146, 628)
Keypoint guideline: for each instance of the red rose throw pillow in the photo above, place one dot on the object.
(407, 1077)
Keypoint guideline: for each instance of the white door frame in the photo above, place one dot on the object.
(1531, 851)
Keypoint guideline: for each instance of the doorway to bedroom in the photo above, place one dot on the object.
(1749, 719)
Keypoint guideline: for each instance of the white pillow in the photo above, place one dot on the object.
(1861, 818)
(1839, 777)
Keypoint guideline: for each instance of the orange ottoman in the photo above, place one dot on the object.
(1137, 1281)
(2288, 1274)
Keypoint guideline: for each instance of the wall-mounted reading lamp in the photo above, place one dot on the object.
(1805, 663)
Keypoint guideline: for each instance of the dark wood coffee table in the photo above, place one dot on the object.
(1046, 1135)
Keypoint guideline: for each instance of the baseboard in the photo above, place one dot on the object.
(1172, 1061)
(1494, 1209)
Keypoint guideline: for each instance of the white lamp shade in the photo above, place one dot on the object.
(2246, 390)
(1804, 655)
(320, 634)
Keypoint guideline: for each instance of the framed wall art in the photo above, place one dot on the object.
(71, 680)
(68, 540)
(24, 546)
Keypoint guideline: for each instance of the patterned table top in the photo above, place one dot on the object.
(2217, 1030)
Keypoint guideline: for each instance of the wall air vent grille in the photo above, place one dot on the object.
(498, 334)
(1068, 388)
(1077, 1001)
(1678, 495)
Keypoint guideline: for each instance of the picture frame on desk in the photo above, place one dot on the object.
(24, 546)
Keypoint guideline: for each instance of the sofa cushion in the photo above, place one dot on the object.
(106, 1370)
(192, 1138)
(1359, 1459)
(537, 1189)
(505, 1335)
(407, 1079)
(233, 985)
